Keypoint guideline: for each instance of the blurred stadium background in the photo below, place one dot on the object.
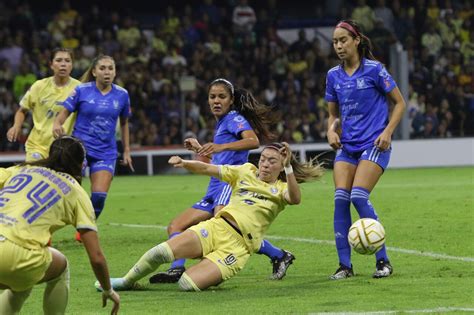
(167, 52)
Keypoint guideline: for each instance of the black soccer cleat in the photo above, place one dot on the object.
(383, 269)
(280, 266)
(342, 272)
(171, 275)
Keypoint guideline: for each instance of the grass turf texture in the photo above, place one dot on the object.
(429, 211)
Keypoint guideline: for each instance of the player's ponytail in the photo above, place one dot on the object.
(304, 171)
(260, 116)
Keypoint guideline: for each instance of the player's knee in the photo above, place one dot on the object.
(63, 277)
(187, 284)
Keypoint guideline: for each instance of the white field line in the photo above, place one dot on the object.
(315, 241)
(433, 310)
(379, 186)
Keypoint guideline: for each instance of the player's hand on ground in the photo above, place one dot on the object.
(209, 148)
(114, 297)
(334, 140)
(58, 130)
(192, 144)
(127, 160)
(176, 161)
(13, 133)
(383, 141)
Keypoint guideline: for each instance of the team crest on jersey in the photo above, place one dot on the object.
(204, 233)
(238, 118)
(116, 104)
(361, 83)
(273, 190)
(383, 73)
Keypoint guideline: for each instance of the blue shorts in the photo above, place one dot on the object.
(218, 194)
(96, 165)
(373, 154)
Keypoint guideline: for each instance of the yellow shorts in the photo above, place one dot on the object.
(222, 245)
(22, 268)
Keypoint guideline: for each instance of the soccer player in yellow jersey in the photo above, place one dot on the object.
(225, 242)
(44, 100)
(36, 199)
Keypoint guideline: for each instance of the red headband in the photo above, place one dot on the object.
(348, 27)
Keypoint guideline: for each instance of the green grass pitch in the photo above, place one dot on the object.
(428, 215)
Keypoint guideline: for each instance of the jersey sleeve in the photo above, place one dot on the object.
(126, 111)
(5, 173)
(85, 217)
(384, 80)
(238, 124)
(72, 101)
(28, 100)
(330, 95)
(230, 173)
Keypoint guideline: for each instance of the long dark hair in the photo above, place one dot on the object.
(365, 47)
(260, 116)
(66, 155)
(87, 76)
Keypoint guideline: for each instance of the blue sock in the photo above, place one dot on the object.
(360, 199)
(342, 223)
(98, 202)
(178, 262)
(268, 249)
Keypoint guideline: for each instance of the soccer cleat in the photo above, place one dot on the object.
(280, 266)
(171, 275)
(382, 269)
(78, 237)
(342, 272)
(118, 284)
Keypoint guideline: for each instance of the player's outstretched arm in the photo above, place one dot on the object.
(196, 167)
(15, 130)
(99, 266)
(58, 130)
(293, 194)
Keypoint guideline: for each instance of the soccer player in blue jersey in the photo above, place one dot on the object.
(38, 198)
(225, 242)
(238, 114)
(99, 104)
(358, 92)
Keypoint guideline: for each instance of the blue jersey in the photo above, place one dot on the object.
(228, 129)
(97, 117)
(362, 100)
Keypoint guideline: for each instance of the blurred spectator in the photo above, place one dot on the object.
(364, 16)
(243, 18)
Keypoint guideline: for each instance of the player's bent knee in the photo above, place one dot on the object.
(187, 284)
(63, 277)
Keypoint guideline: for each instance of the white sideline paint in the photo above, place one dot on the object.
(315, 241)
(433, 310)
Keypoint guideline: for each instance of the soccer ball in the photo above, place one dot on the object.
(366, 236)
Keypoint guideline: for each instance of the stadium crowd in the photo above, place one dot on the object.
(239, 40)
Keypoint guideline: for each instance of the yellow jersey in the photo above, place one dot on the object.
(44, 99)
(37, 201)
(254, 204)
